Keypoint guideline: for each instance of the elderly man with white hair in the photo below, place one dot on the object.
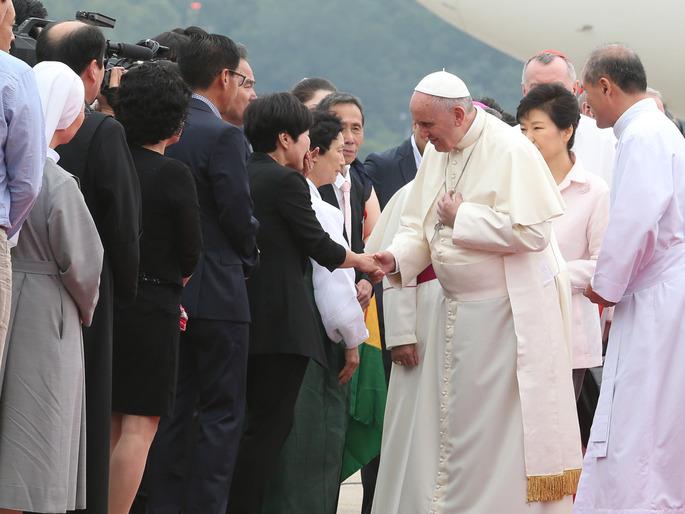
(499, 425)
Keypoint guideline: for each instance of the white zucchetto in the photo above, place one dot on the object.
(443, 84)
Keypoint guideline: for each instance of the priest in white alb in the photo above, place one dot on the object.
(635, 460)
(505, 430)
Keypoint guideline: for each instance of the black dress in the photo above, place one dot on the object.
(146, 331)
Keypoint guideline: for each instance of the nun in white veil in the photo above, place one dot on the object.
(55, 272)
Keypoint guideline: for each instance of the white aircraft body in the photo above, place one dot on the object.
(524, 27)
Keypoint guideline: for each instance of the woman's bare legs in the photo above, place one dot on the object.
(128, 457)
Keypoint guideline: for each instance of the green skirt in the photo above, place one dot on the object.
(307, 480)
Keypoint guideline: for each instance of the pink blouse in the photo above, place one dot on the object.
(580, 232)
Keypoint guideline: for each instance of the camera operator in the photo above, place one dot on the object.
(104, 103)
(99, 156)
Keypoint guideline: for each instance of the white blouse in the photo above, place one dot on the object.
(334, 292)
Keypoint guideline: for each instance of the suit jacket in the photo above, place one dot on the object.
(283, 315)
(391, 170)
(360, 191)
(215, 152)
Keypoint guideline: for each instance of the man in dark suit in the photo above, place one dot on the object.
(362, 198)
(394, 168)
(99, 156)
(389, 171)
(194, 476)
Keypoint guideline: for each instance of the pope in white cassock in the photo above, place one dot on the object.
(635, 460)
(502, 432)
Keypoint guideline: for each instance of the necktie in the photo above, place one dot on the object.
(347, 210)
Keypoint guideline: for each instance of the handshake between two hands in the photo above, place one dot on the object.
(375, 265)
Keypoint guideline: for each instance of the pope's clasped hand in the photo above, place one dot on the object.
(448, 206)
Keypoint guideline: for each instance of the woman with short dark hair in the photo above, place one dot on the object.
(151, 104)
(313, 452)
(549, 115)
(284, 334)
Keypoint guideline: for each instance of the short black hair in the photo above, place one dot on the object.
(25, 9)
(304, 90)
(173, 41)
(76, 49)
(495, 106)
(204, 57)
(338, 98)
(151, 102)
(325, 128)
(557, 102)
(619, 64)
(268, 116)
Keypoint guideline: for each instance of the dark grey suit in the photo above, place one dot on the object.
(390, 170)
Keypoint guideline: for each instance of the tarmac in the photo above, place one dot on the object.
(350, 501)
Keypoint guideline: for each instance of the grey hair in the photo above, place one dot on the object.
(242, 51)
(619, 64)
(449, 104)
(582, 98)
(546, 58)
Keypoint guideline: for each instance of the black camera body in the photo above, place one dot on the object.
(116, 54)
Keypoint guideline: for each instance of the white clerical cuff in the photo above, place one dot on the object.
(606, 288)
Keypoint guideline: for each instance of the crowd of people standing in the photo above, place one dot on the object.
(192, 266)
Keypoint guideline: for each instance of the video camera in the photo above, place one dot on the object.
(116, 54)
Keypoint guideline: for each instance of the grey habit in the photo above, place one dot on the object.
(55, 276)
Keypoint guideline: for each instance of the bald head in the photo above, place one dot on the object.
(78, 45)
(618, 64)
(74, 43)
(548, 68)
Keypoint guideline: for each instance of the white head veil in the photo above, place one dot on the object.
(61, 94)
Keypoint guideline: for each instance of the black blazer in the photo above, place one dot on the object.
(283, 316)
(172, 236)
(99, 156)
(215, 152)
(391, 170)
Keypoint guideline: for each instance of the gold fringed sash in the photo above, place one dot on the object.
(546, 488)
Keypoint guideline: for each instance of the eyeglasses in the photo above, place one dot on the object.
(244, 81)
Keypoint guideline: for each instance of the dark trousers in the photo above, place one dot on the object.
(273, 384)
(370, 471)
(193, 476)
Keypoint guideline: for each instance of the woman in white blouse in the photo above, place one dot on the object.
(549, 116)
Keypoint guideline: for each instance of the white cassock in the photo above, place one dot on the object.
(334, 291)
(596, 148)
(502, 435)
(413, 403)
(580, 232)
(635, 460)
